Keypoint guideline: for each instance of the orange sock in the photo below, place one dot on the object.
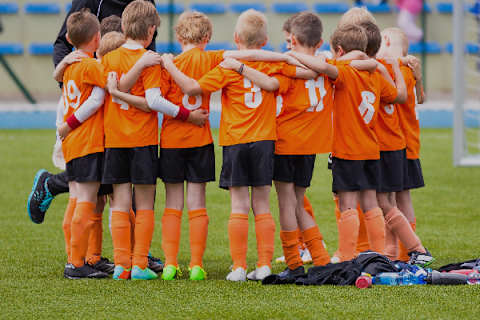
(347, 234)
(375, 226)
(301, 243)
(290, 248)
(391, 244)
(314, 241)
(308, 206)
(402, 229)
(265, 231)
(198, 224)
(403, 252)
(67, 226)
(94, 250)
(238, 236)
(338, 214)
(81, 225)
(171, 225)
(144, 225)
(362, 241)
(122, 243)
(132, 229)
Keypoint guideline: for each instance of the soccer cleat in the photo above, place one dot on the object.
(143, 274)
(238, 274)
(289, 276)
(40, 198)
(306, 256)
(259, 273)
(83, 272)
(197, 273)
(335, 258)
(171, 272)
(120, 273)
(421, 259)
(280, 259)
(104, 265)
(155, 264)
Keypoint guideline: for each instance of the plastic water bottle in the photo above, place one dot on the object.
(364, 281)
(403, 278)
(473, 278)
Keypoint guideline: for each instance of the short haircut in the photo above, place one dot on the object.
(287, 25)
(374, 38)
(307, 29)
(356, 15)
(251, 28)
(397, 37)
(193, 27)
(109, 24)
(82, 26)
(109, 42)
(137, 18)
(350, 37)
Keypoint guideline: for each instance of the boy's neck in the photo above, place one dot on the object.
(190, 46)
(244, 47)
(389, 52)
(305, 50)
(142, 43)
(87, 50)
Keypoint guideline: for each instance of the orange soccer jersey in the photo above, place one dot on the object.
(127, 126)
(354, 113)
(248, 113)
(408, 116)
(177, 133)
(388, 131)
(304, 124)
(79, 80)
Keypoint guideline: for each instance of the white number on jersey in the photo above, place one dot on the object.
(253, 99)
(366, 108)
(71, 95)
(389, 109)
(123, 104)
(279, 104)
(188, 105)
(312, 85)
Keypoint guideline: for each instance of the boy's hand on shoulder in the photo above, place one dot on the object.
(293, 61)
(230, 64)
(416, 66)
(198, 117)
(392, 61)
(74, 56)
(149, 59)
(167, 58)
(64, 130)
(112, 82)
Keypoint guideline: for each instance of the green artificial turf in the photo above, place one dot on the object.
(32, 256)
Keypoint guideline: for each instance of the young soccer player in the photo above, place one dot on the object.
(83, 148)
(247, 133)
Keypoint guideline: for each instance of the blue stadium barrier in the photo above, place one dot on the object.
(209, 8)
(475, 9)
(379, 8)
(11, 49)
(240, 7)
(164, 8)
(42, 8)
(430, 47)
(289, 7)
(470, 48)
(282, 47)
(427, 8)
(445, 7)
(331, 7)
(68, 6)
(8, 8)
(268, 47)
(219, 46)
(164, 47)
(40, 49)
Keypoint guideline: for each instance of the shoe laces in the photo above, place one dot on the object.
(45, 198)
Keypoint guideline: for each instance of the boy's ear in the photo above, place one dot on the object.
(68, 39)
(151, 30)
(387, 40)
(319, 45)
(293, 41)
(265, 42)
(236, 38)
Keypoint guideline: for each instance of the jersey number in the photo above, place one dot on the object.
(312, 85)
(123, 104)
(71, 95)
(389, 109)
(366, 107)
(253, 99)
(186, 102)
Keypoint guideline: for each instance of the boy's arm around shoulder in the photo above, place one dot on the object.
(74, 56)
(317, 64)
(129, 79)
(399, 81)
(188, 85)
(259, 78)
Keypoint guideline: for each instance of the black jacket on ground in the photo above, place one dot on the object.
(100, 8)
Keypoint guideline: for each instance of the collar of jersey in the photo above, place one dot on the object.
(132, 46)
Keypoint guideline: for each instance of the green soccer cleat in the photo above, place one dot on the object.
(170, 272)
(145, 274)
(120, 273)
(197, 273)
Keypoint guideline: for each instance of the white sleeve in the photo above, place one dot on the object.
(91, 105)
(160, 104)
(60, 108)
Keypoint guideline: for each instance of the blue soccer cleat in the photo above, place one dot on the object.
(40, 198)
(145, 274)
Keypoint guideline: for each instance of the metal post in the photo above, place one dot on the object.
(423, 17)
(170, 25)
(458, 81)
(17, 81)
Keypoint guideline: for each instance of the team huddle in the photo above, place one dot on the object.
(356, 102)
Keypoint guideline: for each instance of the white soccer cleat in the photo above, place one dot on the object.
(259, 273)
(238, 274)
(306, 256)
(280, 259)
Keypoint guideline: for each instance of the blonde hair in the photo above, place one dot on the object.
(193, 27)
(350, 37)
(137, 18)
(109, 42)
(397, 38)
(356, 15)
(82, 26)
(251, 28)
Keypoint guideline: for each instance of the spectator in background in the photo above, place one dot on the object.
(409, 10)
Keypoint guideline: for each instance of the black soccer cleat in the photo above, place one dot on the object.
(83, 272)
(421, 259)
(104, 265)
(40, 198)
(289, 276)
(155, 264)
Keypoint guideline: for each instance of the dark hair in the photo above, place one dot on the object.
(111, 23)
(374, 38)
(287, 25)
(350, 37)
(307, 29)
(82, 26)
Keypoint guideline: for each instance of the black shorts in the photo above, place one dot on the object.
(355, 175)
(187, 164)
(131, 165)
(329, 162)
(85, 169)
(294, 168)
(247, 164)
(413, 176)
(105, 189)
(392, 167)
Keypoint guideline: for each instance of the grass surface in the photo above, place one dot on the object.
(32, 256)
